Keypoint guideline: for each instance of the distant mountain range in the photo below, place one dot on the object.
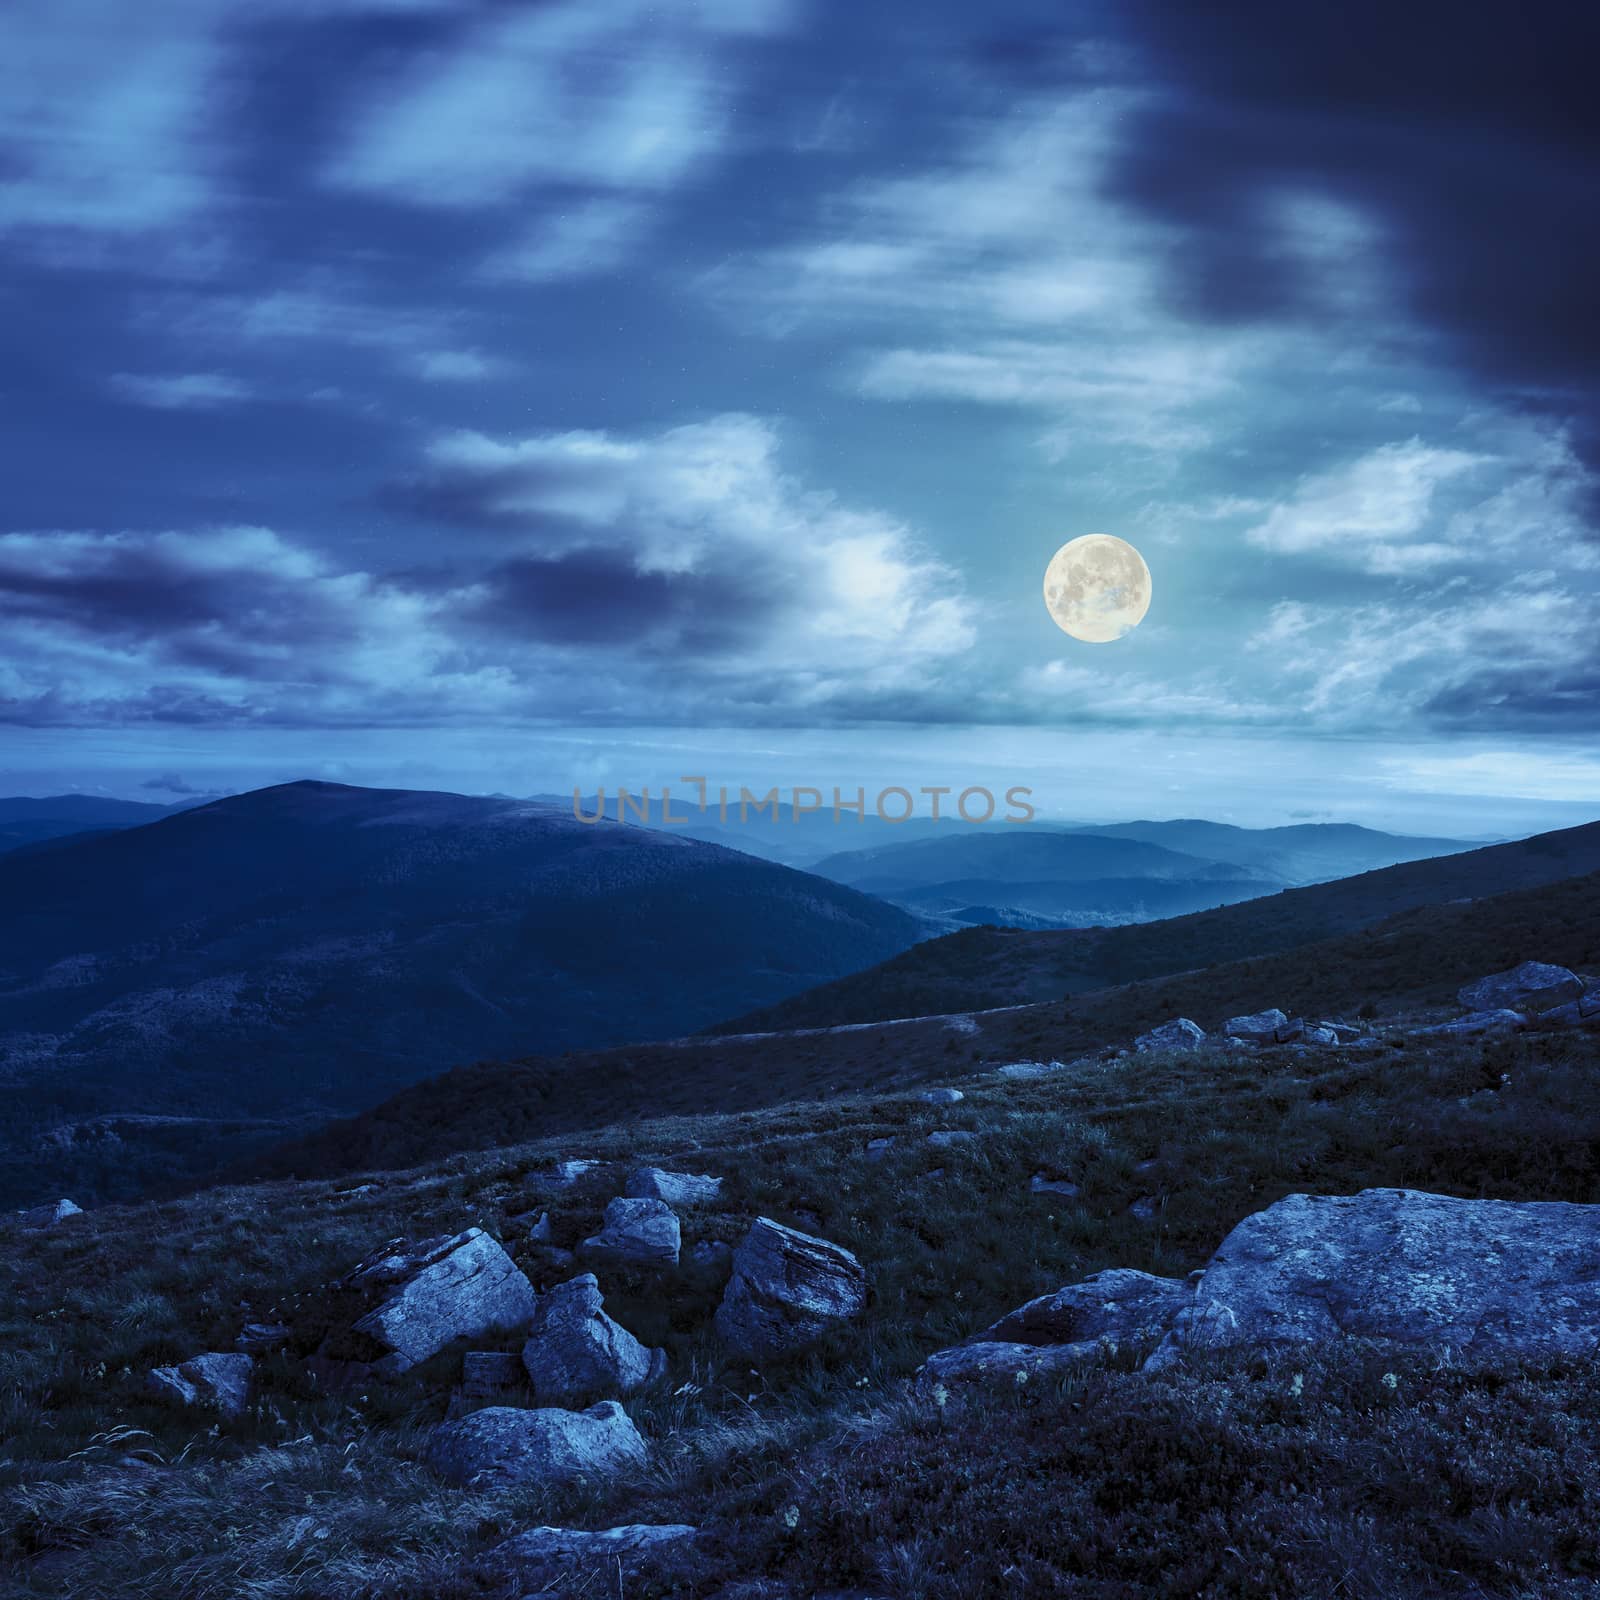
(307, 949)
(26, 820)
(984, 967)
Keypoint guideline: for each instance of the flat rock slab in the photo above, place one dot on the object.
(1477, 1022)
(787, 1289)
(676, 1188)
(542, 1548)
(501, 1444)
(421, 1297)
(1479, 1276)
(992, 1361)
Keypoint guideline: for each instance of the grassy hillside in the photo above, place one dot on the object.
(1354, 1473)
(996, 967)
(1416, 959)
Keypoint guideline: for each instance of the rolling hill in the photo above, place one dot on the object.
(986, 967)
(27, 820)
(305, 950)
(1409, 962)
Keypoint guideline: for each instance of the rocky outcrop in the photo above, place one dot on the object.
(38, 1218)
(414, 1299)
(1496, 1276)
(675, 1188)
(1264, 1027)
(1179, 1034)
(787, 1289)
(575, 1352)
(217, 1381)
(642, 1233)
(539, 1551)
(1121, 1305)
(1533, 986)
(501, 1444)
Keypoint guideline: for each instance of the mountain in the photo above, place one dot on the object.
(304, 950)
(1305, 853)
(28, 820)
(987, 967)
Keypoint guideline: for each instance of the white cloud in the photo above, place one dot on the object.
(186, 391)
(594, 236)
(1369, 512)
(456, 366)
(613, 94)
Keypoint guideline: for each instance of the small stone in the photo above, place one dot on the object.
(218, 1381)
(567, 1173)
(604, 1550)
(1040, 1184)
(878, 1148)
(255, 1336)
(38, 1218)
(537, 1224)
(1144, 1208)
(943, 1138)
(941, 1097)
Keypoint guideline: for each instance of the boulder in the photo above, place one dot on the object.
(217, 1381)
(414, 1299)
(1026, 1071)
(1493, 1277)
(567, 1173)
(538, 1550)
(1265, 1027)
(1321, 1035)
(1533, 986)
(575, 1352)
(941, 1097)
(987, 1361)
(639, 1232)
(877, 1149)
(502, 1444)
(676, 1188)
(1475, 1023)
(1179, 1034)
(787, 1289)
(1040, 1184)
(38, 1218)
(1121, 1305)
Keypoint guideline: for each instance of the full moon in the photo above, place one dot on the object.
(1097, 588)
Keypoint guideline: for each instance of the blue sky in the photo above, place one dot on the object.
(507, 395)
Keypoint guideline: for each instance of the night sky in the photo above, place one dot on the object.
(513, 395)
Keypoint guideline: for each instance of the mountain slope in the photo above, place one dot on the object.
(310, 948)
(994, 967)
(1415, 959)
(27, 820)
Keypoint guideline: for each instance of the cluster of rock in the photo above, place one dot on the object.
(1535, 994)
(1394, 1265)
(1257, 1028)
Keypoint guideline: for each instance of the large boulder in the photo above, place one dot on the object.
(1265, 1027)
(501, 1444)
(1478, 1276)
(787, 1289)
(411, 1300)
(642, 1233)
(1121, 1305)
(575, 1352)
(1179, 1034)
(1533, 986)
(676, 1188)
(532, 1554)
(37, 1218)
(216, 1381)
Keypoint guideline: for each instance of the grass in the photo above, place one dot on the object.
(1230, 1479)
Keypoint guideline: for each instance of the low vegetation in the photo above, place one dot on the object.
(1350, 1474)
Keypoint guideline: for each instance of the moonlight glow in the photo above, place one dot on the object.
(1097, 588)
